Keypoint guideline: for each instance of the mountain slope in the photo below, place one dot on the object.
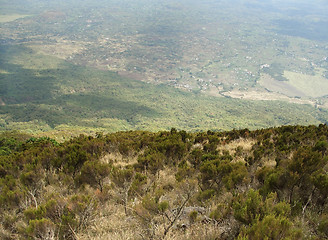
(43, 92)
(269, 183)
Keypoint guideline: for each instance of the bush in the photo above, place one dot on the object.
(41, 229)
(152, 161)
(249, 208)
(94, 173)
(206, 194)
(323, 225)
(222, 172)
(220, 212)
(272, 227)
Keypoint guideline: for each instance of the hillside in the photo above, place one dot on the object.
(270, 183)
(41, 93)
(88, 66)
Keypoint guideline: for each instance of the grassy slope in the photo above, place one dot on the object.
(43, 93)
(314, 86)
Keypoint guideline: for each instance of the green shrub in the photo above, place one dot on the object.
(137, 185)
(41, 229)
(206, 194)
(323, 225)
(220, 212)
(271, 227)
(249, 208)
(193, 216)
(94, 173)
(163, 206)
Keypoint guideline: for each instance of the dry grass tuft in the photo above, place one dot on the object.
(112, 223)
(245, 144)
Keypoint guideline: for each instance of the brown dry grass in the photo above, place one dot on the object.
(112, 223)
(245, 144)
(119, 160)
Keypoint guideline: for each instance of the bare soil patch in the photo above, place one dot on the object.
(266, 96)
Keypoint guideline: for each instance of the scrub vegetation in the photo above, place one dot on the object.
(241, 184)
(150, 119)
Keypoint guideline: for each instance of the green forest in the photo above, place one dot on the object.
(239, 184)
(44, 94)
